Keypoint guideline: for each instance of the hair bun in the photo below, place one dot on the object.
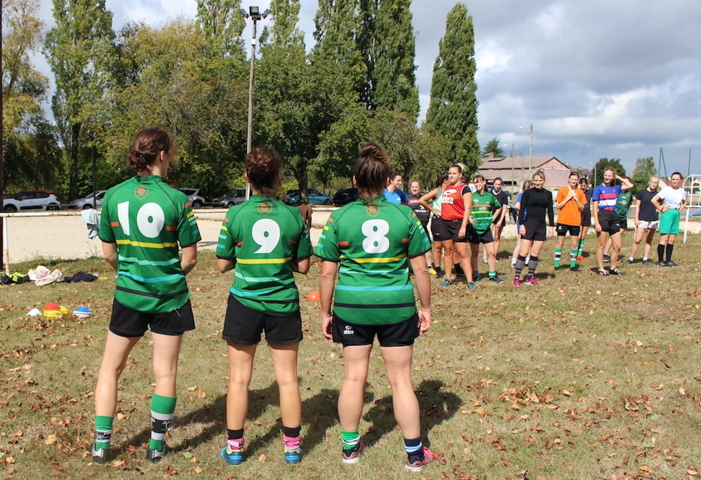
(370, 150)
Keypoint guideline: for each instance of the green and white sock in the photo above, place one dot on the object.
(558, 256)
(103, 432)
(162, 409)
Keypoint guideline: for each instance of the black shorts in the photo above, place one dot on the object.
(244, 326)
(126, 322)
(586, 218)
(563, 230)
(474, 237)
(535, 230)
(609, 222)
(623, 222)
(436, 228)
(498, 223)
(450, 230)
(400, 334)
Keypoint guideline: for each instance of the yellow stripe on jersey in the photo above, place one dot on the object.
(378, 260)
(260, 261)
(223, 227)
(146, 244)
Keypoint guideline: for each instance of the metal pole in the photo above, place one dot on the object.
(3, 226)
(530, 167)
(249, 138)
(512, 168)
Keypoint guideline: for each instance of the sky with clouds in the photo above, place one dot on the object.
(596, 78)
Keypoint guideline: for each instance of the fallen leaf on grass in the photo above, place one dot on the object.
(692, 471)
(50, 440)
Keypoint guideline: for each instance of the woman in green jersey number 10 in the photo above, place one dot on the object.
(149, 236)
(266, 241)
(372, 240)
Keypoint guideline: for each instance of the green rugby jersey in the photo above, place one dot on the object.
(149, 221)
(264, 236)
(372, 242)
(482, 210)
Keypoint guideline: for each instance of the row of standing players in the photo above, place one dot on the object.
(149, 236)
(469, 214)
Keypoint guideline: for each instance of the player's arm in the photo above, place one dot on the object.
(467, 201)
(658, 203)
(638, 202)
(327, 280)
(301, 266)
(425, 199)
(225, 264)
(560, 204)
(625, 183)
(423, 287)
(109, 252)
(188, 258)
(579, 201)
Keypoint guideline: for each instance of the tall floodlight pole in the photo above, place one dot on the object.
(2, 155)
(255, 15)
(530, 168)
(513, 145)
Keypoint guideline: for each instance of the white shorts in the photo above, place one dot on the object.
(648, 225)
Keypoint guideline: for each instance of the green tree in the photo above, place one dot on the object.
(386, 40)
(452, 113)
(644, 169)
(222, 24)
(493, 148)
(164, 77)
(289, 103)
(78, 50)
(603, 164)
(31, 152)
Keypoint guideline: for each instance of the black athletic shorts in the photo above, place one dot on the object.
(623, 222)
(535, 230)
(126, 322)
(474, 237)
(609, 222)
(450, 230)
(400, 334)
(436, 228)
(562, 230)
(244, 326)
(502, 223)
(586, 218)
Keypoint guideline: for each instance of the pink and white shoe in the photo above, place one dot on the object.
(530, 280)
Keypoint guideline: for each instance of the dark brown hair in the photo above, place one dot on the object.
(263, 170)
(440, 178)
(147, 144)
(371, 170)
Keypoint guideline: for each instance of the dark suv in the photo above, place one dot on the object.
(345, 196)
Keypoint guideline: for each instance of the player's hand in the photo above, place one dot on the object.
(424, 320)
(551, 230)
(597, 227)
(522, 230)
(326, 322)
(461, 232)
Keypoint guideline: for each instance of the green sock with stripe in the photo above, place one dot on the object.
(162, 409)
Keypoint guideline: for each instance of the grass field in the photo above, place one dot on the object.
(579, 378)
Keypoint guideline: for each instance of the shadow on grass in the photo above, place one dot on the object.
(319, 414)
(435, 407)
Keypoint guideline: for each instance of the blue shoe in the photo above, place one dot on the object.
(471, 286)
(294, 457)
(446, 283)
(232, 457)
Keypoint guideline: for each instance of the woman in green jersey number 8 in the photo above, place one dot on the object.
(266, 241)
(149, 236)
(369, 243)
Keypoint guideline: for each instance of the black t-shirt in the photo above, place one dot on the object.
(648, 212)
(419, 210)
(537, 202)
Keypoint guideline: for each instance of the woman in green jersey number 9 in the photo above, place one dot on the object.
(149, 236)
(266, 241)
(370, 243)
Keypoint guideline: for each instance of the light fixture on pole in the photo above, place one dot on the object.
(255, 15)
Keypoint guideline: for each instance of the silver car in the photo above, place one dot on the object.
(196, 200)
(93, 200)
(234, 197)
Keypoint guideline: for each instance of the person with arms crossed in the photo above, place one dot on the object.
(669, 203)
(369, 244)
(266, 241)
(605, 199)
(149, 236)
(646, 219)
(570, 202)
(422, 213)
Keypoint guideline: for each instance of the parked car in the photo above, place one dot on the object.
(234, 197)
(345, 196)
(31, 200)
(292, 197)
(196, 200)
(93, 200)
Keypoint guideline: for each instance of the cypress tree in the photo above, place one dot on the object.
(452, 113)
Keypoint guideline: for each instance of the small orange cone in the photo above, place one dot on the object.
(313, 296)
